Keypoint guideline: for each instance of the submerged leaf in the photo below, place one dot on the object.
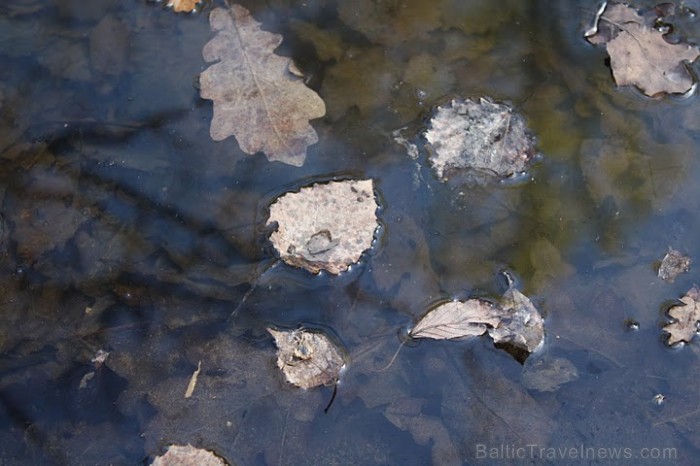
(178, 455)
(673, 264)
(457, 319)
(639, 53)
(256, 97)
(686, 318)
(325, 226)
(390, 22)
(308, 359)
(547, 375)
(481, 136)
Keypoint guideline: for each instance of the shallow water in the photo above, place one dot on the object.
(126, 228)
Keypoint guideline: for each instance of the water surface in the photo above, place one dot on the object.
(126, 228)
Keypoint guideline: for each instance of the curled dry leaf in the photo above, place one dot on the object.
(673, 264)
(325, 226)
(686, 318)
(481, 136)
(178, 455)
(256, 97)
(457, 319)
(515, 321)
(639, 53)
(185, 6)
(521, 324)
(308, 359)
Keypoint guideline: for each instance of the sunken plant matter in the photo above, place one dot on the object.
(478, 136)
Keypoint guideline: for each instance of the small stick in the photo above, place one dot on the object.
(335, 392)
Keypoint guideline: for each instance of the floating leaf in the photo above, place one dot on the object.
(186, 6)
(639, 53)
(256, 97)
(178, 455)
(308, 359)
(521, 323)
(457, 319)
(686, 318)
(673, 264)
(514, 322)
(482, 136)
(325, 226)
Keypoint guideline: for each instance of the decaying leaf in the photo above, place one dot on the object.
(547, 375)
(457, 319)
(256, 98)
(686, 318)
(178, 455)
(325, 226)
(514, 321)
(673, 264)
(639, 53)
(521, 324)
(479, 136)
(308, 359)
(186, 6)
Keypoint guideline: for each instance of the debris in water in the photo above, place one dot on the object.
(479, 136)
(639, 53)
(307, 358)
(673, 264)
(178, 455)
(193, 381)
(326, 226)
(686, 318)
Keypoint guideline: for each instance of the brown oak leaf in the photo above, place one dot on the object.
(686, 318)
(256, 97)
(639, 53)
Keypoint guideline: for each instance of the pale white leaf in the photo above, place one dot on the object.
(325, 226)
(481, 137)
(307, 358)
(457, 319)
(187, 455)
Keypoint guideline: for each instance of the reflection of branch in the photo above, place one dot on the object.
(284, 435)
(600, 353)
(253, 285)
